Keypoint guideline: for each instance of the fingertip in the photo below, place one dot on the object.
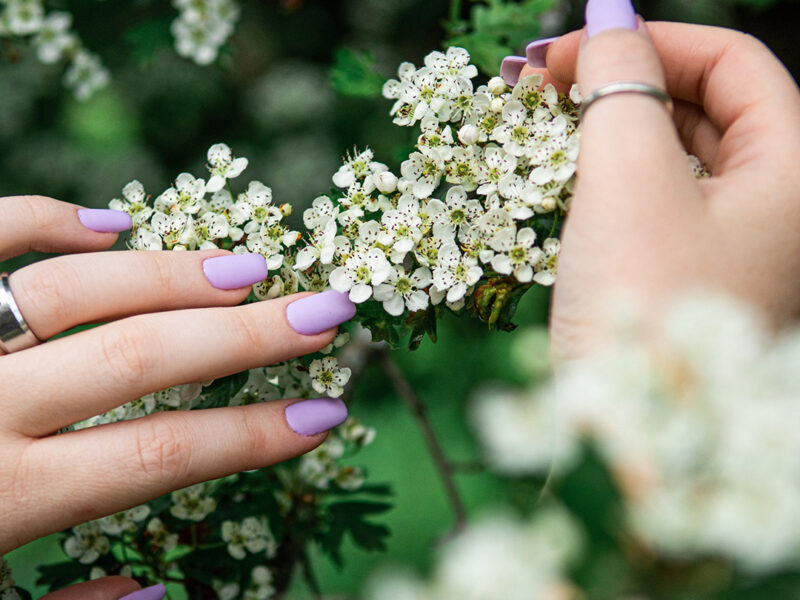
(316, 416)
(104, 220)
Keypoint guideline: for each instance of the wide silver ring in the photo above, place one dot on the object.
(15, 334)
(626, 87)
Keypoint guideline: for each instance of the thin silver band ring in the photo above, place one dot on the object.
(626, 87)
(15, 334)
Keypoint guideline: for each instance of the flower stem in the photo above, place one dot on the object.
(420, 414)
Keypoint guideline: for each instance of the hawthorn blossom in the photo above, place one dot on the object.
(125, 521)
(194, 503)
(404, 290)
(252, 535)
(133, 202)
(455, 274)
(516, 256)
(87, 543)
(360, 274)
(327, 377)
(223, 166)
(547, 266)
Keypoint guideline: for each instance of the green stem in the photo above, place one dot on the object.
(555, 224)
(455, 12)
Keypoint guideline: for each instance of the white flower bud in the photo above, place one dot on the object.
(549, 204)
(468, 135)
(496, 86)
(386, 182)
(497, 105)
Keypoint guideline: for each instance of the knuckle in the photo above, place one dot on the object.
(252, 437)
(128, 353)
(163, 270)
(251, 331)
(38, 210)
(43, 292)
(162, 451)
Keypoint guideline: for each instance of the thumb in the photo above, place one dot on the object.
(629, 144)
(108, 588)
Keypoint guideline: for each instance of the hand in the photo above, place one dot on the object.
(639, 222)
(49, 482)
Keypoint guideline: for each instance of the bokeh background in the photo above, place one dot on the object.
(270, 96)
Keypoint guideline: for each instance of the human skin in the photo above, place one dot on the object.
(165, 324)
(640, 226)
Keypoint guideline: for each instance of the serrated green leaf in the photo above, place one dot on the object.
(221, 391)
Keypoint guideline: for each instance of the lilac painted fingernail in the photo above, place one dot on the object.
(602, 15)
(314, 314)
(104, 220)
(154, 592)
(511, 68)
(235, 271)
(537, 52)
(310, 417)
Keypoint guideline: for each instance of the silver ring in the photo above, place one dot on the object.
(626, 87)
(15, 334)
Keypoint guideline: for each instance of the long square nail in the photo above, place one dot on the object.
(105, 220)
(235, 271)
(511, 68)
(154, 592)
(310, 417)
(602, 15)
(536, 52)
(314, 314)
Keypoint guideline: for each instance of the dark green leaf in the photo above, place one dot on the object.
(221, 391)
(353, 74)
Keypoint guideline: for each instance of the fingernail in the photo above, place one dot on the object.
(318, 313)
(104, 220)
(537, 52)
(310, 417)
(235, 271)
(602, 15)
(154, 592)
(511, 68)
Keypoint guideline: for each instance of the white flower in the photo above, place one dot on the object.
(193, 503)
(202, 233)
(454, 274)
(22, 17)
(424, 170)
(517, 257)
(321, 212)
(403, 290)
(87, 543)
(251, 535)
(133, 202)
(159, 535)
(385, 182)
(456, 212)
(327, 377)
(85, 75)
(202, 27)
(124, 521)
(496, 165)
(186, 196)
(223, 166)
(54, 37)
(468, 134)
(357, 168)
(404, 226)
(360, 273)
(321, 248)
(547, 266)
(556, 160)
(516, 132)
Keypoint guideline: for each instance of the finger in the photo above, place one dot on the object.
(99, 471)
(36, 223)
(73, 378)
(705, 66)
(105, 588)
(57, 294)
(629, 144)
(698, 134)
(515, 68)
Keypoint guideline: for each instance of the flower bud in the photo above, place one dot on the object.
(497, 105)
(386, 182)
(286, 209)
(496, 86)
(468, 135)
(549, 204)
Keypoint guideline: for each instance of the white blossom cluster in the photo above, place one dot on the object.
(55, 41)
(251, 535)
(260, 587)
(498, 556)
(699, 428)
(202, 27)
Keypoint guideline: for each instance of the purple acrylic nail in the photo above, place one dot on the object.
(536, 52)
(235, 271)
(310, 417)
(511, 68)
(314, 314)
(154, 592)
(602, 15)
(104, 220)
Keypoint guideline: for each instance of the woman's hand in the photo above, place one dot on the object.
(172, 320)
(640, 224)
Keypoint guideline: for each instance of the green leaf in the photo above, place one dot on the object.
(60, 575)
(353, 74)
(349, 517)
(222, 390)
